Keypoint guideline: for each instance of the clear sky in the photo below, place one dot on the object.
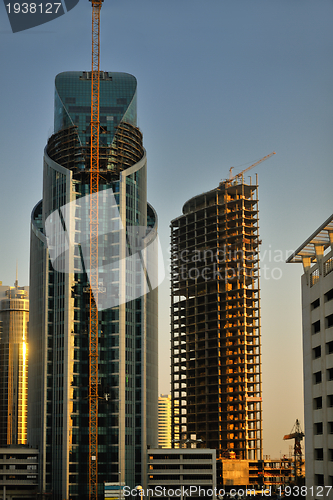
(221, 83)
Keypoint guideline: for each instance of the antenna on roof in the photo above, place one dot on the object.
(16, 281)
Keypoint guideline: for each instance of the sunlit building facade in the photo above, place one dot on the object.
(14, 320)
(164, 421)
(127, 365)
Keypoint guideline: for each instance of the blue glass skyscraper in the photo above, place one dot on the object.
(59, 311)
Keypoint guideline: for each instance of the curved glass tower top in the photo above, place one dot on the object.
(73, 97)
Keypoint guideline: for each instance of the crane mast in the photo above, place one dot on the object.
(297, 434)
(93, 311)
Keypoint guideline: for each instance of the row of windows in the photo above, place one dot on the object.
(19, 467)
(316, 325)
(317, 376)
(318, 402)
(319, 454)
(316, 351)
(178, 466)
(197, 456)
(327, 296)
(318, 428)
(319, 481)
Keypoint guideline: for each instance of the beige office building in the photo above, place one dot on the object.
(316, 255)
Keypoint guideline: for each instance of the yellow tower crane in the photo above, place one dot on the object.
(93, 316)
(232, 178)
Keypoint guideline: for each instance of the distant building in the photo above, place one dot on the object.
(316, 255)
(182, 468)
(14, 319)
(164, 421)
(215, 321)
(271, 473)
(234, 473)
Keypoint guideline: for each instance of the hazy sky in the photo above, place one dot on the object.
(221, 83)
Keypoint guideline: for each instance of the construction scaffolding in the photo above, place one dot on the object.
(215, 325)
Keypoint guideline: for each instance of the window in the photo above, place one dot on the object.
(316, 327)
(319, 479)
(328, 266)
(329, 374)
(330, 400)
(330, 454)
(330, 427)
(314, 277)
(329, 295)
(318, 428)
(198, 456)
(317, 378)
(315, 304)
(316, 352)
(318, 403)
(319, 454)
(329, 321)
(329, 347)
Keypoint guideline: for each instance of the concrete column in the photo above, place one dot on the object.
(306, 261)
(319, 249)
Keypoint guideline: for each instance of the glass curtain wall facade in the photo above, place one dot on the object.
(14, 317)
(215, 323)
(127, 365)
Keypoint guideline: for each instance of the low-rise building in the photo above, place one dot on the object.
(175, 471)
(18, 473)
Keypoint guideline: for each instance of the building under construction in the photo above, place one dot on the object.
(215, 332)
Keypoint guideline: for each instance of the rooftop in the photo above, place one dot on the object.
(322, 237)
